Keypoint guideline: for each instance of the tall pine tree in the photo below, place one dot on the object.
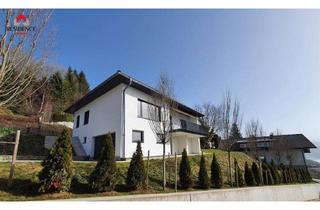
(83, 84)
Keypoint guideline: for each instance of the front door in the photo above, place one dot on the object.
(99, 143)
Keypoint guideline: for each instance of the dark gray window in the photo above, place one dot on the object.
(84, 140)
(78, 121)
(86, 117)
(137, 136)
(148, 111)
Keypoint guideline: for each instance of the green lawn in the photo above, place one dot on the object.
(26, 181)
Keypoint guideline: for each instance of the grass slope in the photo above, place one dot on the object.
(26, 181)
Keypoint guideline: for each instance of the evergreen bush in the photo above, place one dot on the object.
(256, 173)
(248, 175)
(56, 174)
(267, 176)
(274, 172)
(238, 174)
(104, 176)
(185, 171)
(203, 179)
(284, 178)
(136, 172)
(216, 176)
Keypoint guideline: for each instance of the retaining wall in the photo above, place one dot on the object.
(299, 192)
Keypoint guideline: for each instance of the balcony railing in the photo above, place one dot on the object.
(183, 125)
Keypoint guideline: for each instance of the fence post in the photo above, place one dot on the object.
(176, 172)
(14, 157)
(148, 169)
(169, 168)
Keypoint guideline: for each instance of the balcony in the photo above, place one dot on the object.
(189, 127)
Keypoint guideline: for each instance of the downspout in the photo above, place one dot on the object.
(124, 118)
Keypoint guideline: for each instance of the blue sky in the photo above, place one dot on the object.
(268, 59)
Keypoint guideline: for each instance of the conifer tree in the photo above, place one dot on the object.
(203, 179)
(103, 178)
(235, 132)
(284, 178)
(307, 175)
(256, 173)
(238, 174)
(57, 171)
(216, 176)
(248, 175)
(83, 83)
(274, 173)
(267, 176)
(136, 172)
(185, 171)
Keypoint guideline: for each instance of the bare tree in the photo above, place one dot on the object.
(280, 146)
(160, 118)
(211, 118)
(18, 64)
(254, 128)
(229, 115)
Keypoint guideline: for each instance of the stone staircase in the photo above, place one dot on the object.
(80, 153)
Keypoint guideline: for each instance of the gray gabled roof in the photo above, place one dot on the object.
(294, 141)
(116, 79)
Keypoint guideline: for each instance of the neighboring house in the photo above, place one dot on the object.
(284, 149)
(120, 105)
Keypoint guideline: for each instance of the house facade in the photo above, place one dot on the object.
(285, 149)
(120, 106)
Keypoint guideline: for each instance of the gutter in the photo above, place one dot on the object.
(123, 120)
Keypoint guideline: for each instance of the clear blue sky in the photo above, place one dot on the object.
(269, 59)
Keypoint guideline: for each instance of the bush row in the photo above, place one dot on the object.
(57, 172)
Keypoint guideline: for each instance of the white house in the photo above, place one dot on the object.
(119, 105)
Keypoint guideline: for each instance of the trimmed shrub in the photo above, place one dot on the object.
(267, 176)
(274, 172)
(293, 177)
(238, 174)
(256, 173)
(298, 174)
(57, 171)
(203, 179)
(103, 178)
(248, 175)
(136, 172)
(185, 171)
(284, 177)
(307, 175)
(216, 176)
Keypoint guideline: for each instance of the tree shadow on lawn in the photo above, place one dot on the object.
(20, 187)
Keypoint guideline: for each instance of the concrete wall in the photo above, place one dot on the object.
(301, 192)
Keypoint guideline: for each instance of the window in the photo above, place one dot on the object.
(86, 117)
(148, 111)
(78, 121)
(137, 136)
(84, 140)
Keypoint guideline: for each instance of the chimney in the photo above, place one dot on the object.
(271, 135)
